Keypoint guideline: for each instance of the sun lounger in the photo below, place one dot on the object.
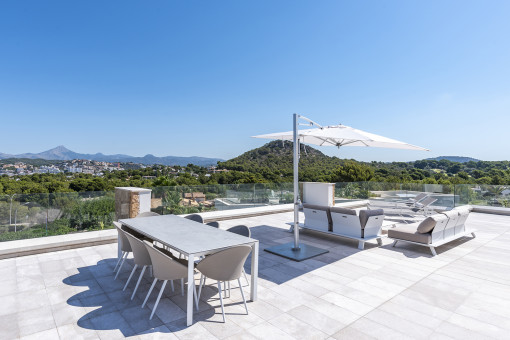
(434, 231)
(422, 206)
(413, 200)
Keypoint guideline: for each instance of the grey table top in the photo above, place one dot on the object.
(186, 236)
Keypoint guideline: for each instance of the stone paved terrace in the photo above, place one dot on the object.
(381, 292)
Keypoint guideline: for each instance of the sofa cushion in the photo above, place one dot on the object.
(451, 213)
(365, 214)
(315, 207)
(409, 232)
(427, 225)
(344, 211)
(462, 211)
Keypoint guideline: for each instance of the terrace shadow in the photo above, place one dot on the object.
(279, 270)
(109, 310)
(411, 250)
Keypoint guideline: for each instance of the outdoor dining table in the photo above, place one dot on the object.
(193, 239)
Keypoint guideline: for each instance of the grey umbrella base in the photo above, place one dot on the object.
(304, 252)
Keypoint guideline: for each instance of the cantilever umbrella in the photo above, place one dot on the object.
(336, 135)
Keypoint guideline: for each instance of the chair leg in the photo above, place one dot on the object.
(242, 294)
(245, 277)
(473, 234)
(200, 285)
(182, 287)
(379, 241)
(118, 261)
(433, 251)
(159, 297)
(172, 285)
(130, 276)
(121, 264)
(195, 294)
(138, 282)
(221, 301)
(150, 291)
(394, 243)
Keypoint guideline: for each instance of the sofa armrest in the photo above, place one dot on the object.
(373, 226)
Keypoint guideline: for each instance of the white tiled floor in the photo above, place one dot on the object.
(381, 292)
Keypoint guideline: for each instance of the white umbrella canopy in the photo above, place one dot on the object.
(342, 135)
(336, 135)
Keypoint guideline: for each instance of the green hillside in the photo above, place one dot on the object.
(274, 162)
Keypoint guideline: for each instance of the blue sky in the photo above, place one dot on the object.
(200, 77)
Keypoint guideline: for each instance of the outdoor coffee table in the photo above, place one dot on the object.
(193, 239)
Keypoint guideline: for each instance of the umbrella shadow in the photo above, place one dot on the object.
(279, 270)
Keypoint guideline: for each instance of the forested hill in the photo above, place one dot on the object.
(274, 162)
(459, 159)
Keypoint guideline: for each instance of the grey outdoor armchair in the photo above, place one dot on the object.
(141, 257)
(165, 267)
(124, 245)
(225, 266)
(240, 230)
(243, 231)
(214, 224)
(195, 217)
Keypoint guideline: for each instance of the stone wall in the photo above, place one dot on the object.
(129, 202)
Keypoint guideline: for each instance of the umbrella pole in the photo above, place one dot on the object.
(293, 250)
(296, 182)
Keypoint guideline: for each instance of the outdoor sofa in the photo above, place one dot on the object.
(435, 230)
(363, 226)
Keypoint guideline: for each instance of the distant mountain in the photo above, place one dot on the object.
(63, 154)
(459, 159)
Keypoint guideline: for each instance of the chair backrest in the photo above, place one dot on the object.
(463, 215)
(214, 224)
(317, 217)
(195, 217)
(453, 217)
(163, 266)
(240, 230)
(420, 196)
(427, 201)
(147, 214)
(437, 234)
(225, 265)
(124, 242)
(140, 254)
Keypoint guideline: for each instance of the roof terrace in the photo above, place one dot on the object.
(380, 292)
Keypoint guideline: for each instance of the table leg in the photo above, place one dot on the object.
(191, 282)
(254, 270)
